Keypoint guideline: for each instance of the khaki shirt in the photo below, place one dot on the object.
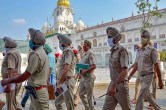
(67, 58)
(117, 61)
(147, 57)
(38, 67)
(12, 60)
(89, 58)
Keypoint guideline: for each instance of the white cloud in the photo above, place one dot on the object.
(19, 21)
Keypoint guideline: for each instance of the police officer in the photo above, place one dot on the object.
(66, 73)
(88, 77)
(118, 89)
(10, 67)
(145, 63)
(36, 72)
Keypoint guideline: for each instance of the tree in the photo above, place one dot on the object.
(147, 9)
(163, 56)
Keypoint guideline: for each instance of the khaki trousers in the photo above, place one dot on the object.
(86, 92)
(146, 81)
(68, 96)
(41, 103)
(121, 96)
(137, 85)
(11, 100)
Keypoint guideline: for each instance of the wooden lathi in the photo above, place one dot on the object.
(51, 92)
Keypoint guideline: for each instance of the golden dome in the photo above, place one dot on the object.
(64, 3)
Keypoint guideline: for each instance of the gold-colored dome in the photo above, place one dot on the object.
(64, 3)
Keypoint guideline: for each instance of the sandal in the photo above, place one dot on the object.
(75, 105)
(1, 105)
(151, 107)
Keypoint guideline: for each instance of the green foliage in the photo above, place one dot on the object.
(146, 10)
(50, 32)
(163, 56)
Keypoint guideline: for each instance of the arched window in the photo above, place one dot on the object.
(123, 39)
(107, 59)
(130, 58)
(94, 34)
(162, 33)
(122, 29)
(94, 43)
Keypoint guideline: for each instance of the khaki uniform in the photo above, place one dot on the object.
(87, 82)
(118, 59)
(147, 58)
(137, 86)
(12, 60)
(68, 96)
(38, 66)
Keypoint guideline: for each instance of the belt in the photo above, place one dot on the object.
(40, 87)
(146, 74)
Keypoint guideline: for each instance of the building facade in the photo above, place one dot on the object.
(129, 27)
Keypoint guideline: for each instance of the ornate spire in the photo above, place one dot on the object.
(64, 3)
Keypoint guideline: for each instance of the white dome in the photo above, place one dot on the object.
(74, 25)
(60, 19)
(80, 23)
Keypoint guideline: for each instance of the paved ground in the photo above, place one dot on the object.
(98, 91)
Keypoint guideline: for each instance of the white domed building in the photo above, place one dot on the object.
(80, 25)
(63, 23)
(63, 19)
(129, 28)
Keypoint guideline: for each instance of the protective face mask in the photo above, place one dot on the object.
(31, 44)
(144, 41)
(61, 46)
(110, 42)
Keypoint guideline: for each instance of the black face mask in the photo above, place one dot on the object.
(109, 36)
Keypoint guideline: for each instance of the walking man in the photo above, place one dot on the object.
(66, 73)
(145, 63)
(88, 77)
(118, 62)
(36, 72)
(11, 66)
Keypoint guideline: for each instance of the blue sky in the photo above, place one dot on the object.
(16, 16)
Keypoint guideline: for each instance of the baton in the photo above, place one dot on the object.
(103, 95)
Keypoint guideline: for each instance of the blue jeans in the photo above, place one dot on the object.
(25, 98)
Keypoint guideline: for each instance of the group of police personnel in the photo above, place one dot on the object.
(38, 69)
